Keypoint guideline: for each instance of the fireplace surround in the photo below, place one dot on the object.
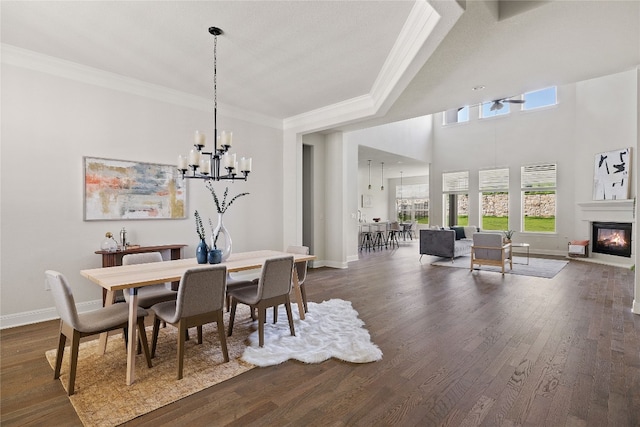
(611, 238)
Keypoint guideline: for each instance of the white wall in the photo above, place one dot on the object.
(49, 122)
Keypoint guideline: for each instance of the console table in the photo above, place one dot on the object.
(114, 258)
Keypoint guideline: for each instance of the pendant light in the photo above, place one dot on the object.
(369, 174)
(382, 176)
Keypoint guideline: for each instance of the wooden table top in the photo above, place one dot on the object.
(137, 275)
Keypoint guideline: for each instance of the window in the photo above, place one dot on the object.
(456, 115)
(455, 189)
(499, 109)
(494, 199)
(412, 203)
(540, 98)
(539, 198)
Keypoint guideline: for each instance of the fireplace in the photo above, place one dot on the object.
(611, 238)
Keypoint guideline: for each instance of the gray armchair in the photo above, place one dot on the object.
(489, 249)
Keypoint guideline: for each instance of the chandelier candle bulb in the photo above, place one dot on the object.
(182, 162)
(194, 157)
(245, 164)
(229, 160)
(205, 165)
(225, 140)
(199, 139)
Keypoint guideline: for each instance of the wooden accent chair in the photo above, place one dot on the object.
(76, 325)
(273, 289)
(200, 301)
(489, 249)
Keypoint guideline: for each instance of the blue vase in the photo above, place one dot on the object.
(201, 252)
(215, 256)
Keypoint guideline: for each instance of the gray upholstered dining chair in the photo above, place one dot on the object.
(274, 286)
(234, 283)
(74, 325)
(149, 295)
(489, 249)
(200, 301)
(153, 294)
(301, 271)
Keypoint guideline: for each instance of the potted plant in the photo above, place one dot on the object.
(508, 234)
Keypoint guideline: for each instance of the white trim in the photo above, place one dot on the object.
(636, 306)
(43, 315)
(27, 59)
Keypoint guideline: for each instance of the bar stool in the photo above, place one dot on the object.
(366, 237)
(379, 238)
(392, 236)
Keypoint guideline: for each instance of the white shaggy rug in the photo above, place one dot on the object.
(330, 329)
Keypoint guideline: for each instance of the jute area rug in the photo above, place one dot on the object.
(537, 267)
(331, 329)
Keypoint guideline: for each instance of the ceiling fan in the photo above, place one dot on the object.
(498, 104)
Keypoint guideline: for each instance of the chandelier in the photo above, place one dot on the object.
(217, 164)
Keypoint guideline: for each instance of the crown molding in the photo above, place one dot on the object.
(35, 61)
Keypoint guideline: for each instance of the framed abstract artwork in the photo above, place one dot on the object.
(121, 189)
(611, 175)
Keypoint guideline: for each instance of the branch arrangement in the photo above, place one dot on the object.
(199, 226)
(222, 208)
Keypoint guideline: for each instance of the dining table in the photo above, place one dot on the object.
(129, 278)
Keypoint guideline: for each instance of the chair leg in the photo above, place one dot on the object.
(181, 330)
(287, 305)
(143, 341)
(304, 298)
(125, 336)
(232, 316)
(75, 345)
(61, 342)
(275, 314)
(154, 336)
(262, 315)
(222, 337)
(199, 328)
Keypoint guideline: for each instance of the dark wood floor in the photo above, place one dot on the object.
(460, 349)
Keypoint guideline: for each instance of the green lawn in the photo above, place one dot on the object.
(531, 224)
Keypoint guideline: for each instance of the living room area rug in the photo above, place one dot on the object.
(538, 267)
(102, 398)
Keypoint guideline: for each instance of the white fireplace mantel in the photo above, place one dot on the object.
(608, 210)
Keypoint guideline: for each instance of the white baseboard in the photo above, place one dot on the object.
(635, 308)
(37, 316)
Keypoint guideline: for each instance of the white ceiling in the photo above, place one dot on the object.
(287, 58)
